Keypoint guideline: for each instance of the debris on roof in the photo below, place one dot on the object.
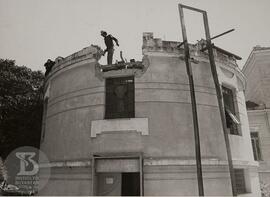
(123, 65)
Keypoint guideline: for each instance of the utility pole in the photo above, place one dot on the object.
(218, 91)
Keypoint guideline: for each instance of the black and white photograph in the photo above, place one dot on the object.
(135, 98)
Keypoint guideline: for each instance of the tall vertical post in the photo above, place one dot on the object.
(220, 100)
(93, 176)
(193, 104)
(141, 175)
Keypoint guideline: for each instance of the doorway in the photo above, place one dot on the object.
(117, 176)
(130, 184)
(118, 184)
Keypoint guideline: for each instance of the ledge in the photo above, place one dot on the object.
(136, 68)
(172, 161)
(91, 54)
(133, 124)
(151, 44)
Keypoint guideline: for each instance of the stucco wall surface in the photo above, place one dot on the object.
(76, 103)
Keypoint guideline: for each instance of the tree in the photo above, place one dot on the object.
(21, 106)
(265, 189)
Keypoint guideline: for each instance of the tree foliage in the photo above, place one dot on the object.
(21, 106)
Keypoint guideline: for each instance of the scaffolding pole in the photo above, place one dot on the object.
(220, 100)
(219, 96)
(193, 104)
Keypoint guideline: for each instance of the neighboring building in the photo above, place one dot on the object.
(257, 71)
(126, 129)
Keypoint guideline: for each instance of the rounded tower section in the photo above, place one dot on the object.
(107, 126)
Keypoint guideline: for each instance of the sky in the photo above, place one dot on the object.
(32, 31)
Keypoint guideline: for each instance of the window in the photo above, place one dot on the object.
(231, 119)
(256, 146)
(120, 98)
(240, 182)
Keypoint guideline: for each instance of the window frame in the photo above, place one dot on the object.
(257, 146)
(110, 97)
(231, 111)
(240, 175)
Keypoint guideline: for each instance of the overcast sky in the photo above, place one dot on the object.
(31, 31)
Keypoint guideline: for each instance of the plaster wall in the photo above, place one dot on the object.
(161, 94)
(257, 70)
(76, 181)
(259, 122)
(77, 100)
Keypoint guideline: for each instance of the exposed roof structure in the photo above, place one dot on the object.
(202, 42)
(227, 52)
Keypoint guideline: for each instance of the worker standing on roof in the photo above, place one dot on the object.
(108, 39)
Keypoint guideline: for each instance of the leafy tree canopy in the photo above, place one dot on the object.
(20, 106)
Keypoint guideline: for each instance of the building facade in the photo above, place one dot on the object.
(257, 71)
(126, 129)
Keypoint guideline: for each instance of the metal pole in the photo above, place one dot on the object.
(141, 175)
(93, 176)
(220, 100)
(221, 34)
(203, 49)
(193, 104)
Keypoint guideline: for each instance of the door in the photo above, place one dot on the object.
(117, 176)
(130, 184)
(118, 184)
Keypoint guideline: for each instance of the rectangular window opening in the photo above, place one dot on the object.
(232, 120)
(256, 146)
(240, 182)
(120, 98)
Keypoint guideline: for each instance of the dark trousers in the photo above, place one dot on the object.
(110, 56)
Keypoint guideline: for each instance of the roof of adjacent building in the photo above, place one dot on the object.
(256, 49)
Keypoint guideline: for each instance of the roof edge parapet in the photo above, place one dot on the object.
(93, 51)
(151, 44)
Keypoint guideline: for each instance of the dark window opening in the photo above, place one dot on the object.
(256, 146)
(230, 113)
(240, 182)
(130, 184)
(120, 101)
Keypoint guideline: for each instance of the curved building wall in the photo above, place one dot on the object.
(161, 132)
